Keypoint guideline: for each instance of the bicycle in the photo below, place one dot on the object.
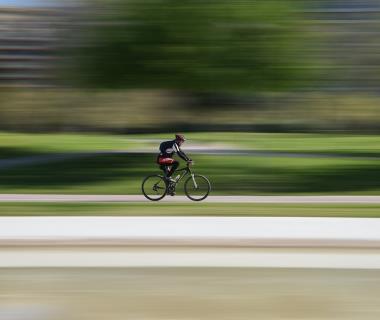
(156, 187)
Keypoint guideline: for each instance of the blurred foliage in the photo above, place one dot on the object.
(121, 111)
(194, 45)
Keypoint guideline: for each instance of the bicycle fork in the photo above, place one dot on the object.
(195, 183)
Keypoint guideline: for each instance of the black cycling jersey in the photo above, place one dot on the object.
(168, 148)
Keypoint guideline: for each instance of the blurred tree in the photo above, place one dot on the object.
(192, 45)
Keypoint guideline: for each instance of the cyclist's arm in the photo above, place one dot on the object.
(181, 154)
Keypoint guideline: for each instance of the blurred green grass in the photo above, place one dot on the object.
(229, 175)
(21, 144)
(187, 209)
(295, 142)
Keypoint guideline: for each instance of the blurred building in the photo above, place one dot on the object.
(349, 54)
(29, 41)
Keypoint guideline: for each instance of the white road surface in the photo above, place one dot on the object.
(190, 228)
(336, 243)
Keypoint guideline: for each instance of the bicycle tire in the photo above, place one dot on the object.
(146, 193)
(199, 178)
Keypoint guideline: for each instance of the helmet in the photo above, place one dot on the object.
(180, 137)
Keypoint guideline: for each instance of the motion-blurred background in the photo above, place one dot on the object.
(275, 97)
(138, 66)
(285, 91)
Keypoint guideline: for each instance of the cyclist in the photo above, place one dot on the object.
(165, 158)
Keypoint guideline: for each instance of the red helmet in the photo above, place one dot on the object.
(180, 137)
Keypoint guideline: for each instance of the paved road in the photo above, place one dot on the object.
(192, 231)
(345, 243)
(182, 199)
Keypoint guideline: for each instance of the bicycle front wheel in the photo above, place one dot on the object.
(197, 187)
(154, 187)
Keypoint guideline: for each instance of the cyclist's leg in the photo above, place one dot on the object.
(168, 165)
(164, 169)
(174, 167)
(172, 183)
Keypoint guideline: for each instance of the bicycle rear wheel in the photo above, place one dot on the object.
(154, 187)
(197, 187)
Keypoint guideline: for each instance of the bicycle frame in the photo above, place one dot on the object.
(185, 171)
(190, 185)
